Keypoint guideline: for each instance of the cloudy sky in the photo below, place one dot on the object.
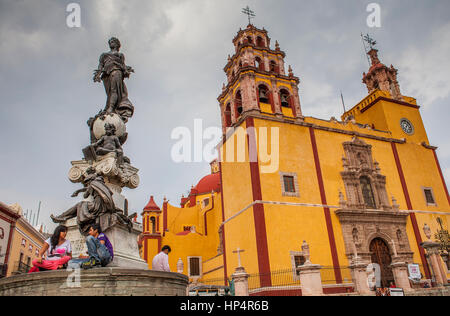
(178, 49)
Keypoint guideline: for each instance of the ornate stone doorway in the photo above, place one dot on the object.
(381, 255)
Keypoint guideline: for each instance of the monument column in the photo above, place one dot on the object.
(105, 170)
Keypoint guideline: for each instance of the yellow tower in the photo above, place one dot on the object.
(151, 217)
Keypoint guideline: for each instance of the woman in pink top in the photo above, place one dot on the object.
(58, 252)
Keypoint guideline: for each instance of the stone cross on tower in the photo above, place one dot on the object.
(250, 14)
(238, 251)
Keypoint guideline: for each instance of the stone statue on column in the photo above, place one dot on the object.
(104, 170)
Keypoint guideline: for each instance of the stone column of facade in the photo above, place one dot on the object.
(359, 274)
(400, 271)
(281, 65)
(276, 99)
(298, 107)
(223, 118)
(432, 249)
(266, 61)
(248, 92)
(240, 280)
(233, 110)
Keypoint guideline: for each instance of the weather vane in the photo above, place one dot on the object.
(367, 39)
(250, 14)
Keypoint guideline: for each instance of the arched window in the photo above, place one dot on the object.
(260, 42)
(284, 96)
(367, 192)
(263, 94)
(238, 104)
(259, 64)
(153, 220)
(355, 236)
(228, 115)
(249, 39)
(274, 66)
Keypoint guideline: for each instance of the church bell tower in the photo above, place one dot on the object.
(257, 80)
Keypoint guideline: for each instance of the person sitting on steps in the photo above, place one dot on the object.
(100, 250)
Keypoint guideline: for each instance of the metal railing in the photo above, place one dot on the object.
(328, 275)
(284, 282)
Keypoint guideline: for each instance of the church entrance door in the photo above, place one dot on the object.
(381, 255)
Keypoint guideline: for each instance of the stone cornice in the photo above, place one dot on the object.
(429, 146)
(368, 216)
(255, 71)
(250, 27)
(255, 47)
(373, 98)
(7, 210)
(272, 117)
(30, 229)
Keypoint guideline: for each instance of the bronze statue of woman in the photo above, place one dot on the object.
(112, 71)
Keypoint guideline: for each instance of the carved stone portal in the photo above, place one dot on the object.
(367, 214)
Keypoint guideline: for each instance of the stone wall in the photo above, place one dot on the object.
(96, 282)
(441, 291)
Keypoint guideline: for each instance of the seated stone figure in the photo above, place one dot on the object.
(109, 143)
(88, 211)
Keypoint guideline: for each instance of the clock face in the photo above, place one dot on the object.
(407, 126)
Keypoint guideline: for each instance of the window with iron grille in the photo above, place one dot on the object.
(194, 267)
(429, 196)
(299, 261)
(289, 184)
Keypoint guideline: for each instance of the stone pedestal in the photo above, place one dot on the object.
(400, 271)
(96, 282)
(126, 250)
(432, 249)
(310, 279)
(360, 277)
(240, 279)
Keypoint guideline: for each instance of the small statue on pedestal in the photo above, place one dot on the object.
(109, 143)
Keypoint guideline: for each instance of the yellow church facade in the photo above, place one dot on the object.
(364, 186)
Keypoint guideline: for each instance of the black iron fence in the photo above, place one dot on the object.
(331, 275)
(284, 282)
